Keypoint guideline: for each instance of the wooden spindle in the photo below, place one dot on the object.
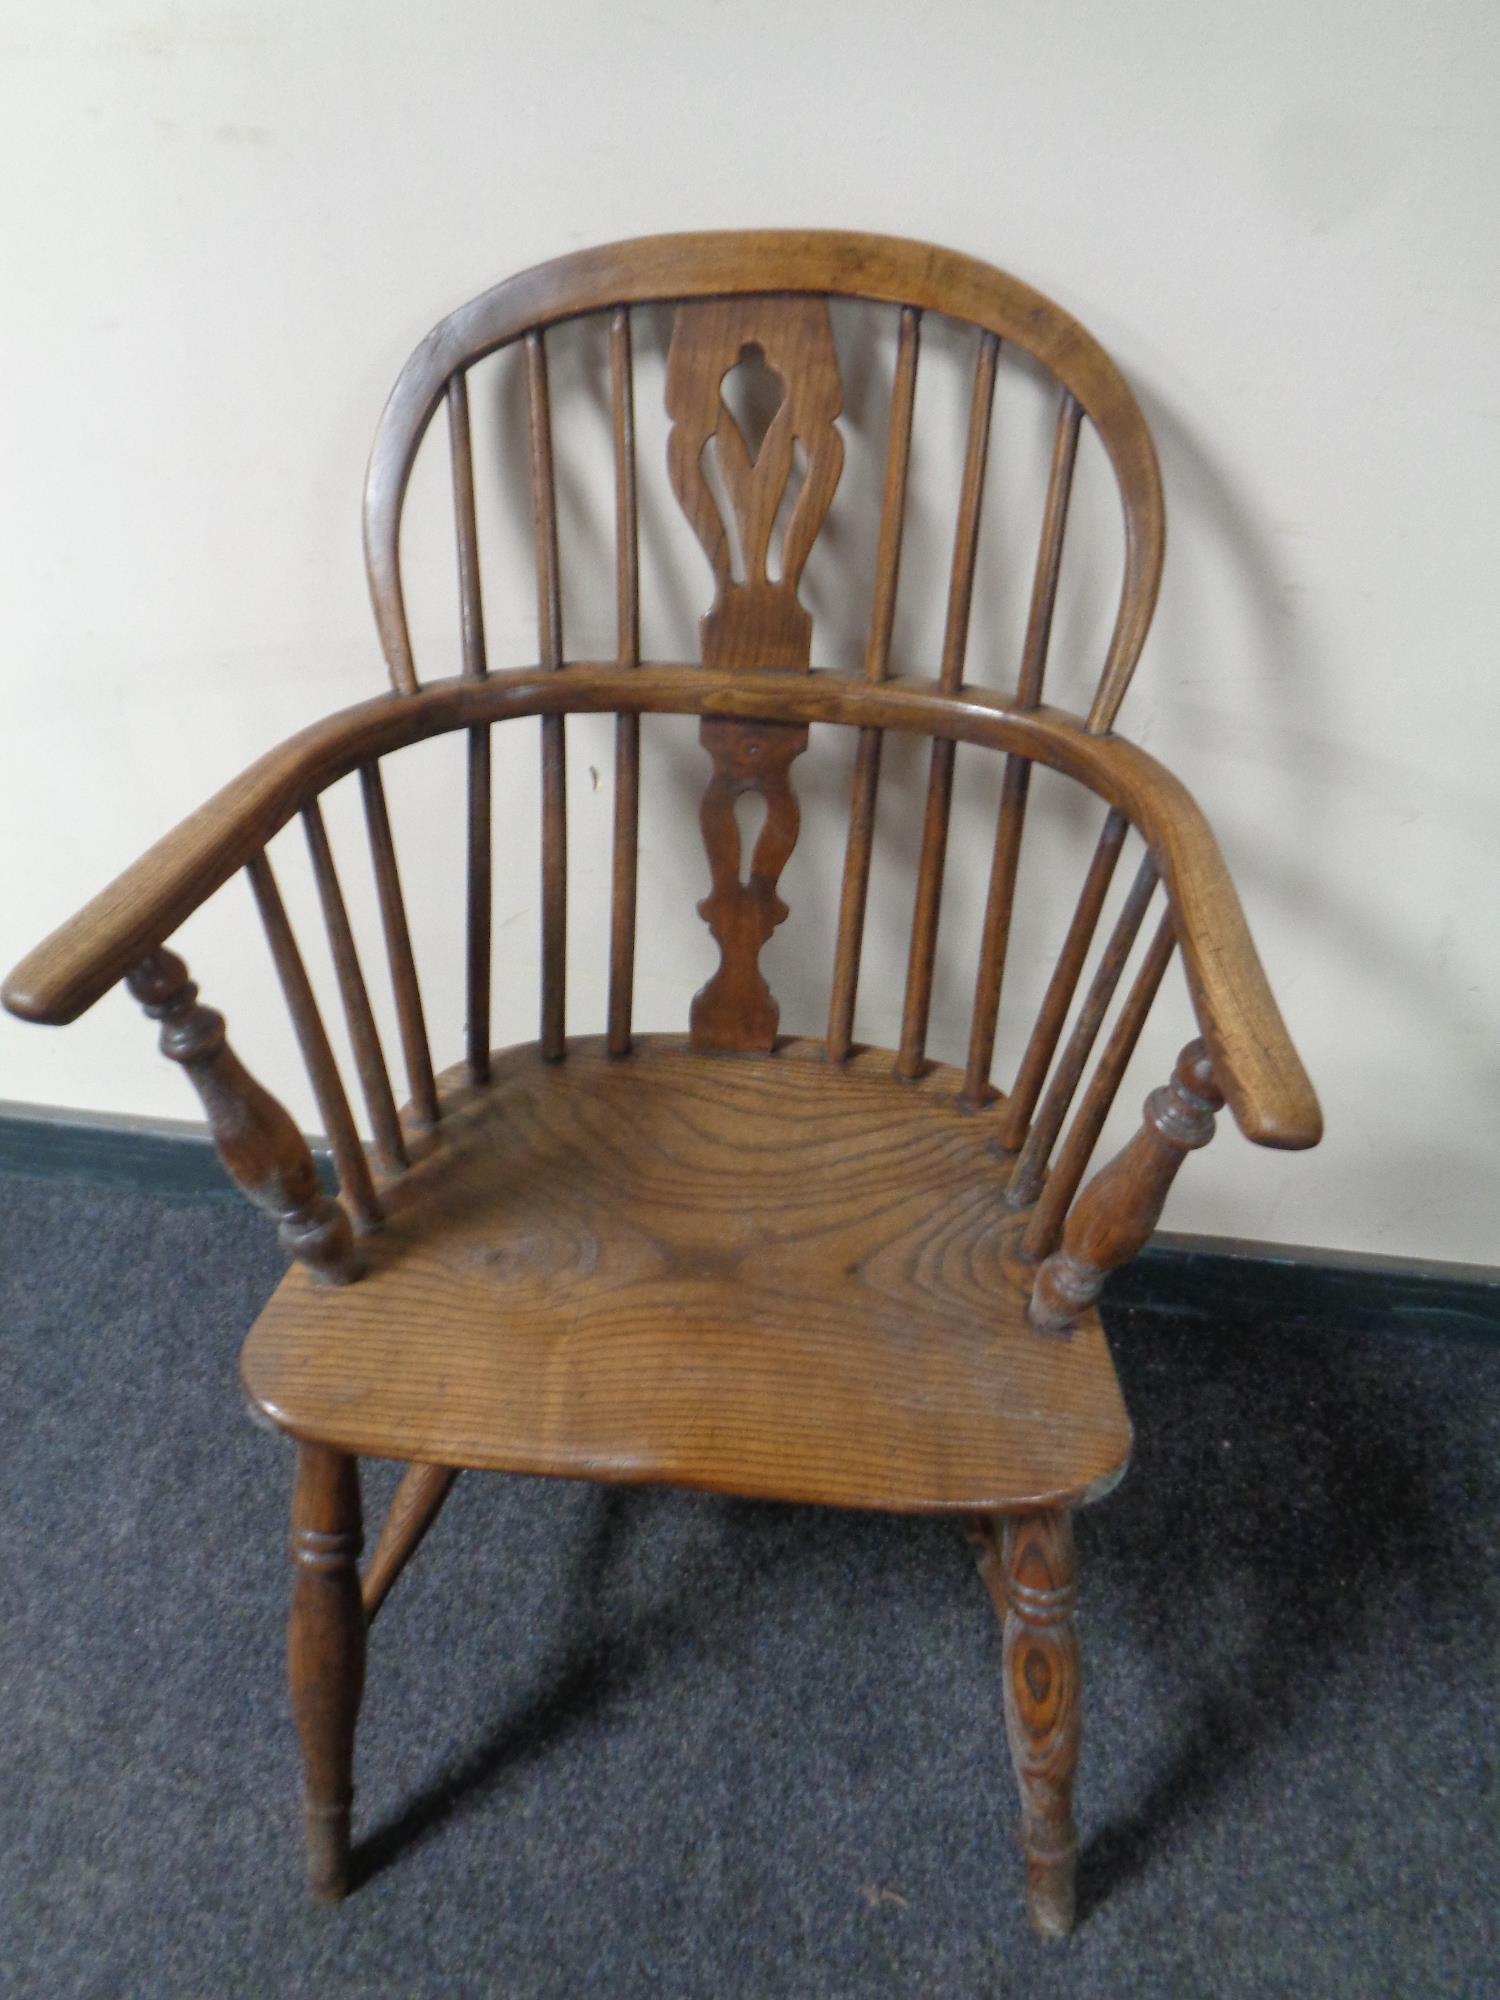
(263, 1153)
(893, 504)
(480, 909)
(627, 726)
(369, 1058)
(355, 1185)
(1049, 554)
(1068, 1169)
(1040, 1049)
(966, 539)
(554, 781)
(1016, 783)
(409, 1015)
(1031, 1165)
(995, 934)
(475, 666)
(627, 532)
(543, 502)
(471, 602)
(877, 662)
(1114, 1216)
(919, 971)
(414, 1507)
(554, 889)
(854, 896)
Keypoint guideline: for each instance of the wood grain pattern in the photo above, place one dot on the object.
(736, 1010)
(631, 1259)
(761, 1277)
(263, 1152)
(1264, 1083)
(739, 264)
(326, 1655)
(757, 618)
(1114, 1216)
(1029, 1565)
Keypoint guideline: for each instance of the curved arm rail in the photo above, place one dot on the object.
(1254, 1061)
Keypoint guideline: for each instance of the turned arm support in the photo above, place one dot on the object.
(1115, 1214)
(263, 1152)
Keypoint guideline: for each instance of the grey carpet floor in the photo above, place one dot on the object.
(648, 1743)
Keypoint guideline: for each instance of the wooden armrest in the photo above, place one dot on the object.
(123, 924)
(1257, 1068)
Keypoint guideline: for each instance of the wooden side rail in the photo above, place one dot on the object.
(1254, 1061)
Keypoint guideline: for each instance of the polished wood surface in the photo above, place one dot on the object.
(734, 1260)
(733, 263)
(1029, 1565)
(415, 1505)
(263, 1153)
(1264, 1082)
(326, 1655)
(1114, 1216)
(748, 1274)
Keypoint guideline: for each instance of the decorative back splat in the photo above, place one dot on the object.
(785, 348)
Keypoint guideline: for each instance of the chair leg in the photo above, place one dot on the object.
(326, 1654)
(1029, 1567)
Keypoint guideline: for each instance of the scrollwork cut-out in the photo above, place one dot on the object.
(757, 620)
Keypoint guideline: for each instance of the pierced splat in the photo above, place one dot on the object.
(749, 381)
(736, 1009)
(773, 361)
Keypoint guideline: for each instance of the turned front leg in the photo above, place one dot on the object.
(1114, 1216)
(264, 1153)
(326, 1655)
(1028, 1565)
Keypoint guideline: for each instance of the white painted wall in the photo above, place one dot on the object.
(224, 227)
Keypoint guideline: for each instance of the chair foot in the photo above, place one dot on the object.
(328, 1850)
(1029, 1567)
(326, 1655)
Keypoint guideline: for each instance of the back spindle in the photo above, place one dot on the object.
(1016, 783)
(627, 726)
(409, 1015)
(369, 1058)
(1031, 1165)
(355, 1185)
(1045, 1225)
(912, 1057)
(877, 661)
(477, 1022)
(554, 780)
(1040, 1049)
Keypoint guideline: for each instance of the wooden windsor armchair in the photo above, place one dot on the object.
(729, 1260)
